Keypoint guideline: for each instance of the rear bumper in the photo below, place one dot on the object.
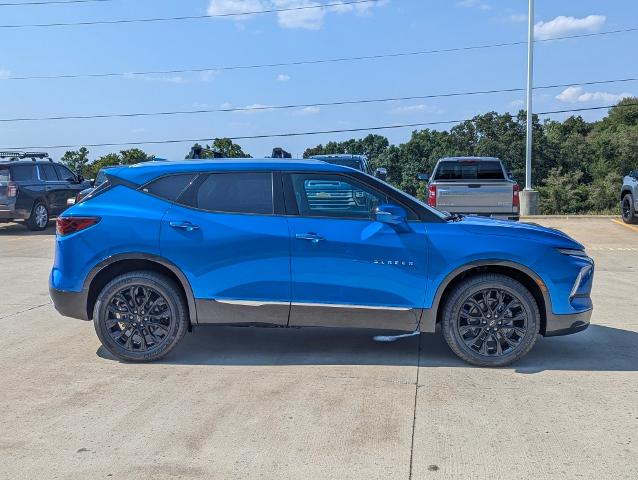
(9, 212)
(558, 325)
(70, 304)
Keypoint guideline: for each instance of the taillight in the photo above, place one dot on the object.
(432, 195)
(12, 189)
(69, 225)
(515, 200)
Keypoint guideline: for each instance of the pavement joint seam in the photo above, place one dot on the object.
(416, 394)
(25, 310)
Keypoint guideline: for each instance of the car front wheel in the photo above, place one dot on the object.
(490, 320)
(140, 316)
(628, 211)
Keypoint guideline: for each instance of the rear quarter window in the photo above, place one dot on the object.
(169, 187)
(4, 174)
(470, 170)
(22, 173)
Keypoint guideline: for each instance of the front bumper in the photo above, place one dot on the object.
(558, 325)
(70, 304)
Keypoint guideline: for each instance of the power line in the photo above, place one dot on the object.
(48, 2)
(307, 105)
(300, 134)
(188, 17)
(311, 62)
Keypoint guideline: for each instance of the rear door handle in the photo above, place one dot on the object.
(188, 226)
(312, 237)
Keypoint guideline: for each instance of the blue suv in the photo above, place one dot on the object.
(162, 247)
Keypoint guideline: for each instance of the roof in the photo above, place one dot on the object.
(144, 172)
(459, 159)
(338, 155)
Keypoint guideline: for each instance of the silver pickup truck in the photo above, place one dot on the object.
(629, 198)
(473, 186)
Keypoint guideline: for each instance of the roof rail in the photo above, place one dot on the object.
(14, 156)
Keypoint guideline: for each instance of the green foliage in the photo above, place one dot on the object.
(77, 161)
(563, 193)
(125, 157)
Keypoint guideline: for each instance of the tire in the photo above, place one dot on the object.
(144, 336)
(502, 343)
(627, 209)
(39, 219)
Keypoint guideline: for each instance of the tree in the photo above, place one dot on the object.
(77, 161)
(133, 156)
(125, 157)
(220, 148)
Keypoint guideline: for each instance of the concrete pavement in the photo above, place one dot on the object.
(316, 403)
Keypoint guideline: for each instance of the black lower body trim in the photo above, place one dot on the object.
(567, 324)
(70, 304)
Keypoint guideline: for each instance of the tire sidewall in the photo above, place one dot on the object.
(162, 285)
(475, 284)
(32, 223)
(632, 213)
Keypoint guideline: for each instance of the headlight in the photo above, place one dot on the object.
(583, 278)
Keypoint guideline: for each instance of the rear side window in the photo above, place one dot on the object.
(232, 193)
(4, 174)
(470, 170)
(169, 187)
(22, 173)
(47, 173)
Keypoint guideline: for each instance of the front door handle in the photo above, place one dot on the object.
(188, 226)
(313, 237)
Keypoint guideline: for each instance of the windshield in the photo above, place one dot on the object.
(438, 213)
(469, 170)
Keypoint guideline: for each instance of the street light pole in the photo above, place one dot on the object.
(528, 197)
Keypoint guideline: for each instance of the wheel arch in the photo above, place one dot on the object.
(625, 191)
(115, 265)
(432, 316)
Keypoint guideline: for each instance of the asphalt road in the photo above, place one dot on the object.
(243, 403)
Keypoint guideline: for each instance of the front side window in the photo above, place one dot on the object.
(232, 193)
(22, 173)
(65, 174)
(334, 196)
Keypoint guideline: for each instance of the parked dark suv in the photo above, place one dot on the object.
(35, 190)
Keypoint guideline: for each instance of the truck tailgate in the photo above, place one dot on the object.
(474, 197)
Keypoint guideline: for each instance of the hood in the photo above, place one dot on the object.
(529, 231)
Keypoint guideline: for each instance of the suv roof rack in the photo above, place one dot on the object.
(15, 156)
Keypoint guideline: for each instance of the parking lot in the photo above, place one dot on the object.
(317, 403)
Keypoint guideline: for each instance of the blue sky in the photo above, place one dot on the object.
(387, 27)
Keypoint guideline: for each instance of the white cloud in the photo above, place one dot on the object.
(517, 103)
(561, 26)
(517, 17)
(282, 77)
(4, 74)
(420, 108)
(307, 111)
(579, 95)
(294, 17)
(226, 105)
(208, 75)
(256, 108)
(232, 7)
(474, 4)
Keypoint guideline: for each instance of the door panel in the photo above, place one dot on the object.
(361, 273)
(238, 264)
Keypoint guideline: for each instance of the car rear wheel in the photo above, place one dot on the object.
(39, 219)
(140, 316)
(490, 320)
(628, 211)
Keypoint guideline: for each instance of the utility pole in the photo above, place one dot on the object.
(529, 197)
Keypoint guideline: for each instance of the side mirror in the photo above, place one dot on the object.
(424, 177)
(634, 174)
(392, 215)
(381, 173)
(80, 178)
(92, 182)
